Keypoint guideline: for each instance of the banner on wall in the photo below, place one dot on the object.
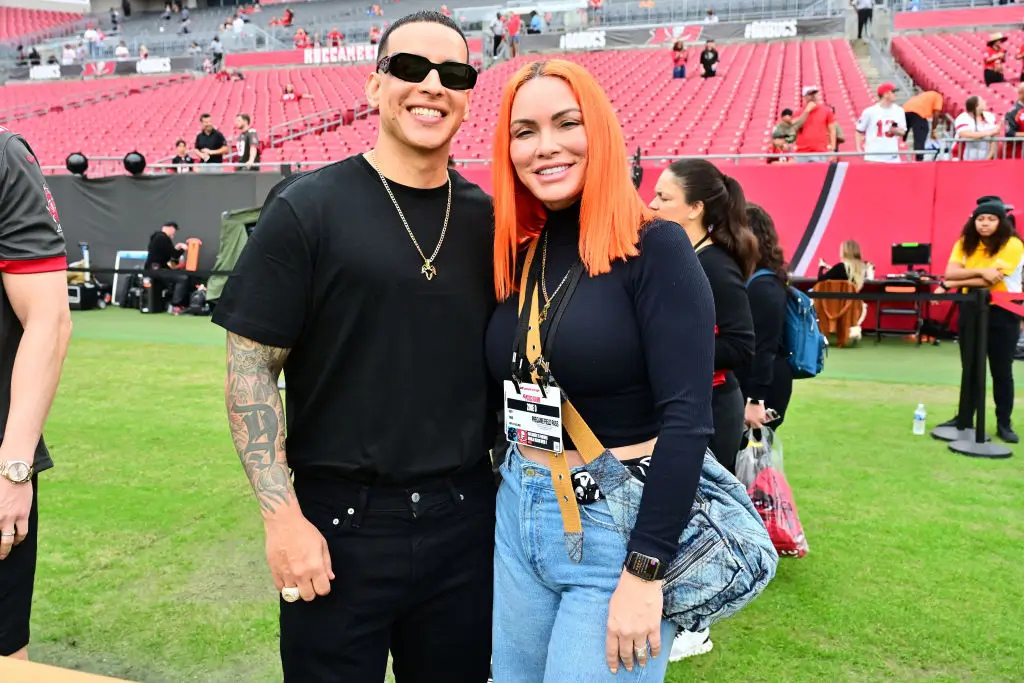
(102, 68)
(600, 38)
(343, 54)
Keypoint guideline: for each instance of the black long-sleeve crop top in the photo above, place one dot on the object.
(734, 340)
(634, 352)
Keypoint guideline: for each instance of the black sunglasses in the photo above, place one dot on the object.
(414, 69)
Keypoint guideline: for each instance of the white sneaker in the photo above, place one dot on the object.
(690, 644)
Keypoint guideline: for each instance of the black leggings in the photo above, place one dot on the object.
(727, 407)
(1003, 332)
(863, 19)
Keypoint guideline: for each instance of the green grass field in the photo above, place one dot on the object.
(151, 562)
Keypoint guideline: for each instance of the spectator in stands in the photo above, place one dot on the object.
(512, 30)
(922, 112)
(143, 52)
(679, 59)
(768, 381)
(709, 59)
(247, 144)
(851, 266)
(785, 128)
(33, 57)
(374, 34)
(881, 127)
(988, 254)
(301, 40)
(162, 264)
(976, 126)
(710, 17)
(560, 159)
(536, 24)
(289, 94)
(778, 152)
(166, 14)
(67, 55)
(121, 51)
(211, 145)
(816, 128)
(595, 8)
(414, 558)
(1020, 58)
(217, 51)
(92, 40)
(335, 38)
(182, 160)
(995, 58)
(497, 33)
(1015, 126)
(712, 210)
(865, 11)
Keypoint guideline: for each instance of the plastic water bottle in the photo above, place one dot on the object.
(919, 419)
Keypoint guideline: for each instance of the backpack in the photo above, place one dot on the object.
(801, 337)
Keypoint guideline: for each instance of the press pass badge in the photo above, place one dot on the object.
(533, 418)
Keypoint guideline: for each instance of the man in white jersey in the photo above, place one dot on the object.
(881, 127)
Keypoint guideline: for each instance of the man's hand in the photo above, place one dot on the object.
(811, 106)
(297, 555)
(15, 504)
(754, 415)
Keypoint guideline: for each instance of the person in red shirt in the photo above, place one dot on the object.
(995, 56)
(512, 28)
(816, 128)
(335, 38)
(1015, 126)
(374, 35)
(302, 40)
(289, 94)
(1020, 58)
(679, 59)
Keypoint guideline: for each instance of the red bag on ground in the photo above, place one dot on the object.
(773, 499)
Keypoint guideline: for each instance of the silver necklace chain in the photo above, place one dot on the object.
(544, 277)
(428, 270)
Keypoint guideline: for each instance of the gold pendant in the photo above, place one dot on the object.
(544, 313)
(428, 270)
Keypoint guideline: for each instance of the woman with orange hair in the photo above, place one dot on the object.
(578, 594)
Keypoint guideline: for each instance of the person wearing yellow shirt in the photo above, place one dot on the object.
(988, 254)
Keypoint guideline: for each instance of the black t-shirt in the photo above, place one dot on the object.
(215, 140)
(184, 163)
(31, 241)
(768, 297)
(387, 381)
(634, 353)
(161, 250)
(734, 338)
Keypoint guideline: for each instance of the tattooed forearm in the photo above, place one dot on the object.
(256, 416)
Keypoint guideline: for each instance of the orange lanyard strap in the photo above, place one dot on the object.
(583, 437)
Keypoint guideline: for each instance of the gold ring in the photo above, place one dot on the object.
(291, 594)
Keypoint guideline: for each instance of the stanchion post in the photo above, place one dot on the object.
(968, 394)
(979, 447)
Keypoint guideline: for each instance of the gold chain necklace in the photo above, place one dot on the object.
(544, 277)
(427, 270)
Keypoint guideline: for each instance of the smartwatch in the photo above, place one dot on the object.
(644, 567)
(759, 402)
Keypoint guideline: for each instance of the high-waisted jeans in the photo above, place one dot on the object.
(551, 614)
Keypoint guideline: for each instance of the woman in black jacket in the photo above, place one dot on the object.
(711, 208)
(768, 381)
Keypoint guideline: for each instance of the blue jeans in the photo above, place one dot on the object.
(551, 614)
(679, 71)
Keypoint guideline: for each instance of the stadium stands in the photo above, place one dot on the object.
(17, 102)
(951, 63)
(730, 114)
(16, 21)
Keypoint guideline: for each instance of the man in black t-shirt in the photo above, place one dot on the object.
(370, 282)
(248, 143)
(33, 289)
(211, 145)
(162, 256)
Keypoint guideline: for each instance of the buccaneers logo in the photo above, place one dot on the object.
(51, 206)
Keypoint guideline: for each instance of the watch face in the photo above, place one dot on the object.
(18, 471)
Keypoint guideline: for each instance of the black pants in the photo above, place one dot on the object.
(993, 76)
(175, 280)
(1003, 332)
(863, 19)
(17, 581)
(727, 406)
(921, 129)
(414, 575)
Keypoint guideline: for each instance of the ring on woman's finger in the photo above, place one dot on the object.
(7, 534)
(291, 594)
(640, 652)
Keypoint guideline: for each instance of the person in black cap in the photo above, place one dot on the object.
(988, 254)
(162, 256)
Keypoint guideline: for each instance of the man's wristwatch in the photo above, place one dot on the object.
(16, 471)
(644, 567)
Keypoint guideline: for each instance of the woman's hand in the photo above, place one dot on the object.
(992, 275)
(634, 620)
(754, 415)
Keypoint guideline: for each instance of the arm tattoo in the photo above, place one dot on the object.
(256, 416)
